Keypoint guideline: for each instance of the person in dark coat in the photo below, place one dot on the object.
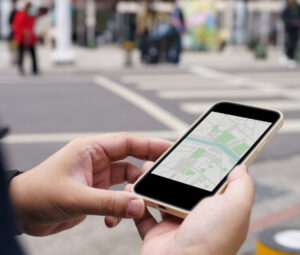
(11, 39)
(291, 19)
(178, 23)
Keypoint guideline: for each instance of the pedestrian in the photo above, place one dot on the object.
(146, 21)
(291, 20)
(178, 23)
(23, 25)
(12, 42)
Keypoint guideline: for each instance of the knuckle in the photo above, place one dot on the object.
(124, 134)
(114, 206)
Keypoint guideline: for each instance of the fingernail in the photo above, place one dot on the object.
(115, 222)
(135, 208)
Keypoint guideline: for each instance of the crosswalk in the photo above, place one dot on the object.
(198, 90)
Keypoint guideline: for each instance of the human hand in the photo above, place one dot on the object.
(218, 225)
(59, 193)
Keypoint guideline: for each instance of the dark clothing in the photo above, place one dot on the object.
(12, 16)
(8, 242)
(9, 175)
(22, 49)
(11, 20)
(291, 19)
(291, 44)
(178, 23)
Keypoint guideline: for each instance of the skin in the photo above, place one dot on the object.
(27, 7)
(292, 2)
(218, 225)
(60, 192)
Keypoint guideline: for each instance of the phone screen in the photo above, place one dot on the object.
(211, 150)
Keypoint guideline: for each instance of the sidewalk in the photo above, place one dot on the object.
(236, 59)
(111, 58)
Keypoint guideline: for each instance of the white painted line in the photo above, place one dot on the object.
(142, 78)
(42, 82)
(198, 84)
(291, 126)
(225, 77)
(283, 105)
(219, 93)
(207, 72)
(67, 137)
(143, 103)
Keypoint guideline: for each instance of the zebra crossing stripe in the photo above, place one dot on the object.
(67, 137)
(223, 94)
(195, 84)
(283, 105)
(142, 103)
(141, 78)
(291, 126)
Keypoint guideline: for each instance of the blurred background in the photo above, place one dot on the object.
(83, 67)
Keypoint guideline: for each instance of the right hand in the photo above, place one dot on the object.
(60, 192)
(218, 225)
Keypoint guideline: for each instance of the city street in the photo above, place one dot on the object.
(98, 95)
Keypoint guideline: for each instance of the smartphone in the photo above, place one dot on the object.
(198, 164)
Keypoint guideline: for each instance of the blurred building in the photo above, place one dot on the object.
(210, 24)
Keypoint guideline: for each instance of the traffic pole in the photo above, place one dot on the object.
(63, 53)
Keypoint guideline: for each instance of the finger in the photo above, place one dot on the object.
(240, 188)
(111, 221)
(120, 204)
(120, 146)
(145, 223)
(124, 172)
(128, 188)
(146, 167)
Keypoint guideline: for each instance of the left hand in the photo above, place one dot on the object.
(60, 192)
(218, 224)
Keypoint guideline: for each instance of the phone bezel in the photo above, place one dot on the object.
(184, 196)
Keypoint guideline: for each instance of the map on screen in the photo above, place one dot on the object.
(211, 150)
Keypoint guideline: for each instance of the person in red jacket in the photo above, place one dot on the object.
(25, 36)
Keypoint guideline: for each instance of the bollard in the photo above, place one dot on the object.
(128, 46)
(279, 241)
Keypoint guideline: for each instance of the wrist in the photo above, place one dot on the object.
(17, 198)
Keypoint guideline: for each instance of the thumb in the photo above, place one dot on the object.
(120, 204)
(240, 188)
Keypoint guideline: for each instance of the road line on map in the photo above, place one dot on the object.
(143, 103)
(67, 137)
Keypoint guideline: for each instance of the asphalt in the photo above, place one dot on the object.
(46, 112)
